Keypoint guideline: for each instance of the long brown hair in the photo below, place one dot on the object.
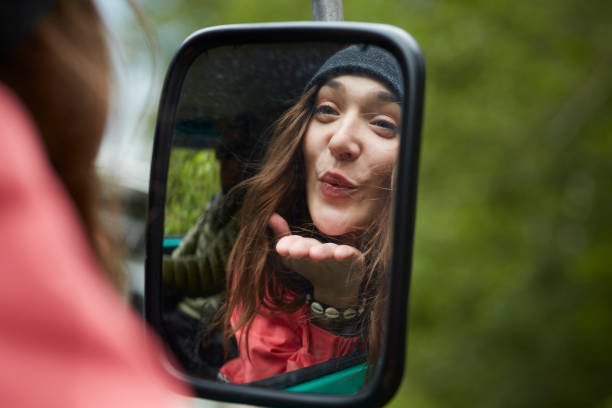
(61, 72)
(255, 276)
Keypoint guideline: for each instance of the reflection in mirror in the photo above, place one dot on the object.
(278, 214)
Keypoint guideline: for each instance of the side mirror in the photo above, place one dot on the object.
(317, 124)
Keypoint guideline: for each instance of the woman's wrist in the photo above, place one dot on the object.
(343, 300)
(330, 312)
(344, 321)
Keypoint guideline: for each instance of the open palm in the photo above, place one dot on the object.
(335, 271)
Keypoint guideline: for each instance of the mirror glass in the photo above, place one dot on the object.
(278, 217)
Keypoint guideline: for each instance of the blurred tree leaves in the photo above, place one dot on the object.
(511, 299)
(194, 177)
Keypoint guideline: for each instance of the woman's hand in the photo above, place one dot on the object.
(335, 271)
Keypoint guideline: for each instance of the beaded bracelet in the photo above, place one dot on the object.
(333, 313)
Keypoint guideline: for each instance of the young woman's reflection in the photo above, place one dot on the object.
(305, 280)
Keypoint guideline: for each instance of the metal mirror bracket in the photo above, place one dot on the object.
(327, 10)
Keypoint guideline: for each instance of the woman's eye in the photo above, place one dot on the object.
(325, 110)
(387, 128)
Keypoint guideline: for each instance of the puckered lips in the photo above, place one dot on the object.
(335, 185)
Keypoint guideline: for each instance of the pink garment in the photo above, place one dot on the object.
(282, 343)
(66, 338)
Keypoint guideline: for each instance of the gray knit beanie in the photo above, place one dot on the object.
(370, 61)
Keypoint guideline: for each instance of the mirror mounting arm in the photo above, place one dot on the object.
(327, 10)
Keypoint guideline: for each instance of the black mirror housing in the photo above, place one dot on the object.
(385, 377)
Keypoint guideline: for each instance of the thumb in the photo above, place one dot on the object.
(279, 226)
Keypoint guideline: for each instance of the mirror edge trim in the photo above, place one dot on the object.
(388, 373)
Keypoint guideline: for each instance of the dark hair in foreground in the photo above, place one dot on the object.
(255, 276)
(61, 72)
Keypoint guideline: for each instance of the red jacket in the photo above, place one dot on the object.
(282, 343)
(66, 338)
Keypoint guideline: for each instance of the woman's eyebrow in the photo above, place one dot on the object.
(387, 97)
(384, 96)
(334, 84)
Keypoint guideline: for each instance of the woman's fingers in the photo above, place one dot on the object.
(285, 243)
(322, 251)
(333, 251)
(292, 245)
(296, 246)
(343, 252)
(279, 226)
(300, 247)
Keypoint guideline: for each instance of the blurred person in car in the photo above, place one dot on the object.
(66, 337)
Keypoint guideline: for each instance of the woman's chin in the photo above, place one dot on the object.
(333, 227)
(334, 221)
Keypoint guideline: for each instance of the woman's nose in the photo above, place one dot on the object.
(344, 144)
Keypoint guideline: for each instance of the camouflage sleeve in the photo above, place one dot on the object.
(197, 266)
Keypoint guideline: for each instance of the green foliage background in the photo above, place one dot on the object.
(511, 297)
(194, 177)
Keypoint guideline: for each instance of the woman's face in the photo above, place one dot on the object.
(350, 148)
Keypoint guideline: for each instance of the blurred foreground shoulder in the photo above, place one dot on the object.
(66, 337)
